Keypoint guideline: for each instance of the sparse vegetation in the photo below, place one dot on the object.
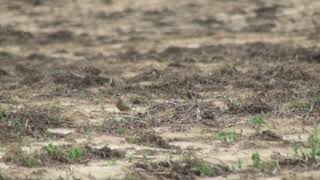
(76, 153)
(169, 156)
(314, 144)
(131, 158)
(53, 150)
(111, 162)
(298, 151)
(31, 162)
(312, 153)
(257, 121)
(120, 131)
(2, 115)
(17, 123)
(228, 136)
(205, 169)
(257, 162)
(2, 149)
(235, 103)
(30, 122)
(271, 165)
(203, 91)
(295, 104)
(240, 164)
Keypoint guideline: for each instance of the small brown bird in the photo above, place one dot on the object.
(122, 105)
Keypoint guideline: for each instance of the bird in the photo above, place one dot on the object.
(121, 104)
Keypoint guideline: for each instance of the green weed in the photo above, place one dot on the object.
(205, 169)
(296, 104)
(131, 158)
(257, 162)
(120, 131)
(314, 144)
(53, 150)
(2, 149)
(297, 150)
(257, 121)
(228, 136)
(2, 115)
(186, 157)
(112, 162)
(76, 153)
(31, 162)
(240, 163)
(17, 123)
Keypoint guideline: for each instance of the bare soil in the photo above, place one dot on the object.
(188, 69)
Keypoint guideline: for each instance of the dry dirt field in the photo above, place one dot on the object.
(218, 89)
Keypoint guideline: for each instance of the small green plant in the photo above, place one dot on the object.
(130, 158)
(257, 121)
(228, 136)
(314, 144)
(120, 131)
(99, 100)
(2, 149)
(46, 134)
(236, 103)
(186, 157)
(53, 150)
(145, 158)
(76, 153)
(2, 115)
(205, 169)
(31, 162)
(296, 104)
(271, 165)
(131, 140)
(317, 99)
(17, 123)
(37, 2)
(297, 151)
(274, 164)
(169, 156)
(172, 114)
(240, 163)
(132, 176)
(112, 162)
(87, 128)
(257, 162)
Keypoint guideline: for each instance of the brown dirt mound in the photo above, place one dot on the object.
(182, 113)
(283, 76)
(164, 114)
(148, 138)
(74, 81)
(105, 152)
(52, 155)
(63, 155)
(248, 51)
(250, 105)
(10, 35)
(30, 121)
(179, 170)
(126, 124)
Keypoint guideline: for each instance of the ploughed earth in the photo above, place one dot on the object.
(159, 89)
